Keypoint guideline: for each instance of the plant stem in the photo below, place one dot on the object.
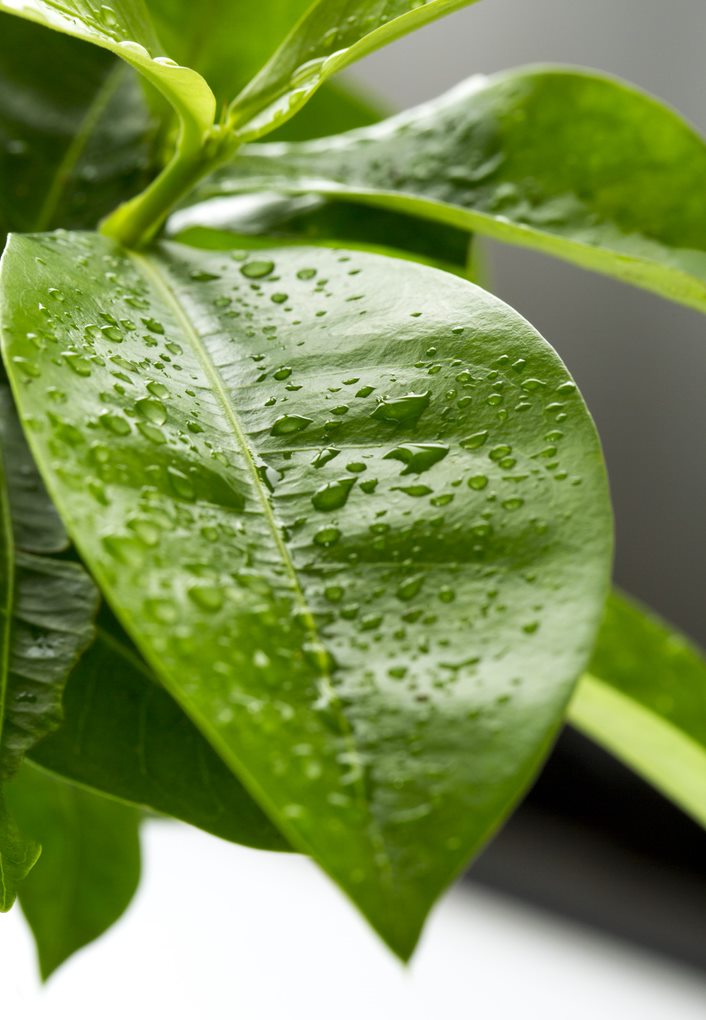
(136, 222)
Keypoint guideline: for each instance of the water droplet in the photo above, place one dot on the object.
(181, 483)
(289, 424)
(324, 456)
(206, 596)
(333, 495)
(500, 452)
(158, 389)
(153, 326)
(399, 410)
(257, 269)
(410, 587)
(474, 441)
(115, 423)
(417, 457)
(203, 276)
(77, 363)
(413, 490)
(477, 482)
(327, 536)
(152, 409)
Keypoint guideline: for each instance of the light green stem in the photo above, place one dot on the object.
(136, 222)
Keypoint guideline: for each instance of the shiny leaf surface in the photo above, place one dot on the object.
(331, 35)
(572, 163)
(352, 511)
(644, 700)
(122, 734)
(89, 868)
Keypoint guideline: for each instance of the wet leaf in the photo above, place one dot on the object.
(89, 868)
(644, 700)
(382, 659)
(331, 35)
(122, 734)
(572, 163)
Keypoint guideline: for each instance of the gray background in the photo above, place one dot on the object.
(639, 360)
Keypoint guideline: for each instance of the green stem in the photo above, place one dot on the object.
(136, 222)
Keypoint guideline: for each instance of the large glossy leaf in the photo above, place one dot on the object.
(120, 732)
(123, 27)
(76, 136)
(124, 735)
(352, 510)
(644, 699)
(331, 35)
(569, 162)
(89, 868)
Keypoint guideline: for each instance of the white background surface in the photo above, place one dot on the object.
(221, 932)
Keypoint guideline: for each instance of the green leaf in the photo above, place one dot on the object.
(76, 136)
(226, 42)
(47, 605)
(266, 220)
(36, 526)
(644, 700)
(122, 734)
(89, 868)
(331, 35)
(333, 108)
(352, 511)
(18, 856)
(124, 28)
(572, 163)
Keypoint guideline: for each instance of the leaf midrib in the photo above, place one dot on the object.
(150, 268)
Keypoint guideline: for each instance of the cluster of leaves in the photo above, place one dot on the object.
(325, 542)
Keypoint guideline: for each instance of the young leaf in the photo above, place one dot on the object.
(76, 135)
(331, 35)
(224, 41)
(124, 28)
(122, 734)
(571, 163)
(354, 514)
(89, 868)
(644, 700)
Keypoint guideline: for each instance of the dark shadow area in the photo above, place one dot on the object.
(596, 844)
